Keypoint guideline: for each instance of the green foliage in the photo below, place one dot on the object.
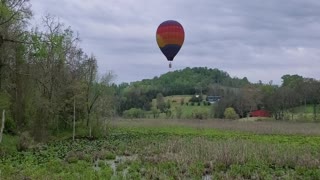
(134, 113)
(220, 107)
(25, 142)
(107, 155)
(8, 145)
(182, 102)
(230, 113)
(97, 129)
(168, 104)
(155, 112)
(161, 105)
(44, 76)
(5, 103)
(71, 157)
(178, 112)
(10, 126)
(183, 82)
(170, 151)
(291, 81)
(200, 114)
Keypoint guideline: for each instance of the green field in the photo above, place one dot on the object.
(188, 111)
(176, 149)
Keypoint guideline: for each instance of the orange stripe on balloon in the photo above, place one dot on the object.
(160, 41)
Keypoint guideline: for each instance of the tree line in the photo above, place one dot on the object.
(243, 96)
(295, 91)
(46, 78)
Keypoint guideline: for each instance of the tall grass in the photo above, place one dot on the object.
(228, 152)
(177, 149)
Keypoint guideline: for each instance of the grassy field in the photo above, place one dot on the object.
(176, 149)
(188, 111)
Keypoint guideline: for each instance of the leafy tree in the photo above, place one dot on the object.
(155, 112)
(42, 73)
(230, 113)
(247, 100)
(161, 105)
(168, 104)
(310, 90)
(291, 80)
(200, 114)
(179, 112)
(182, 101)
(134, 113)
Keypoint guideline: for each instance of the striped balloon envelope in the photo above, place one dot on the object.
(170, 38)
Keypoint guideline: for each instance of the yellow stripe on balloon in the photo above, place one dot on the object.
(160, 41)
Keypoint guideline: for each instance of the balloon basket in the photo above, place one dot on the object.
(170, 65)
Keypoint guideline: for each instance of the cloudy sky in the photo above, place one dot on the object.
(257, 39)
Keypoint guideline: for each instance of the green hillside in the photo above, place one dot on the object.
(191, 80)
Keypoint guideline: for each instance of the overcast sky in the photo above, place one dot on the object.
(257, 39)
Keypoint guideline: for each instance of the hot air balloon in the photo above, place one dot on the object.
(170, 37)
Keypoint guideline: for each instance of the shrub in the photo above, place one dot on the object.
(212, 111)
(178, 112)
(10, 125)
(107, 155)
(230, 113)
(25, 141)
(182, 102)
(71, 157)
(134, 113)
(155, 112)
(200, 114)
(5, 104)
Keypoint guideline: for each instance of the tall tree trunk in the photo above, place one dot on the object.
(19, 88)
(305, 105)
(88, 117)
(315, 111)
(74, 119)
(2, 125)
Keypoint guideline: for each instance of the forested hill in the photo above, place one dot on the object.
(189, 80)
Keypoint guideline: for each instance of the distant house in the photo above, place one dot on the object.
(213, 99)
(260, 113)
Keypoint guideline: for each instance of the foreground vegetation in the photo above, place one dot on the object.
(138, 149)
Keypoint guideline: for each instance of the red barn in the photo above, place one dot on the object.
(260, 113)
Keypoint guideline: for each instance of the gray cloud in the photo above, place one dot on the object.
(261, 40)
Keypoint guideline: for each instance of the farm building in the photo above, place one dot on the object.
(213, 99)
(260, 113)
